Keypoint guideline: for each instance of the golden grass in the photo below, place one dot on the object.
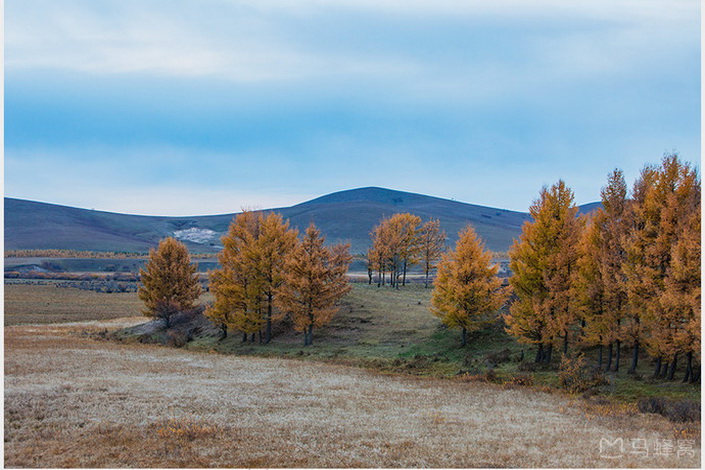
(39, 304)
(74, 402)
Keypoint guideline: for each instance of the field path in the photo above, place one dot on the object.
(76, 402)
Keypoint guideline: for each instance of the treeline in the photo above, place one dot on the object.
(401, 241)
(626, 275)
(266, 274)
(59, 253)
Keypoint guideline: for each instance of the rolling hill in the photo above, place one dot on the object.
(345, 216)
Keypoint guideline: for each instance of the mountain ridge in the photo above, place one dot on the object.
(344, 216)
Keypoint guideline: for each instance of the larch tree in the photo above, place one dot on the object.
(168, 282)
(395, 247)
(467, 293)
(543, 262)
(275, 243)
(315, 280)
(236, 284)
(601, 281)
(432, 241)
(681, 299)
(665, 198)
(252, 263)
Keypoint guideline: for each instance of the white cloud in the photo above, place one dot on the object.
(259, 40)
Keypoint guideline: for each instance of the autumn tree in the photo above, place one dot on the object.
(252, 261)
(543, 262)
(315, 279)
(681, 299)
(276, 241)
(168, 282)
(431, 240)
(665, 199)
(395, 247)
(236, 285)
(601, 284)
(467, 293)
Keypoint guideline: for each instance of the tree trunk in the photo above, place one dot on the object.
(565, 343)
(674, 364)
(635, 358)
(688, 367)
(657, 370)
(539, 354)
(618, 345)
(609, 358)
(403, 282)
(268, 334)
(599, 358)
(664, 370)
(425, 283)
(308, 335)
(244, 337)
(252, 338)
(464, 338)
(549, 353)
(369, 276)
(223, 331)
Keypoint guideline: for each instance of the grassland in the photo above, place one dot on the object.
(414, 398)
(71, 401)
(45, 303)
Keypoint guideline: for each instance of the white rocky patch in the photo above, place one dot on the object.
(195, 235)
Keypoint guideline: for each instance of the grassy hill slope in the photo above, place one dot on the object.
(345, 216)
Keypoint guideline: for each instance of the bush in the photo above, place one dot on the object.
(678, 411)
(575, 376)
(522, 380)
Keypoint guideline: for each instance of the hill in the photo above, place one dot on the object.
(345, 216)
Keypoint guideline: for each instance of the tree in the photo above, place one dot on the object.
(467, 293)
(168, 282)
(315, 279)
(252, 261)
(395, 247)
(276, 241)
(665, 199)
(601, 284)
(543, 262)
(432, 242)
(235, 285)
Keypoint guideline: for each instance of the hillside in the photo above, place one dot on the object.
(345, 216)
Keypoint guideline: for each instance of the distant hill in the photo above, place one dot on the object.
(345, 216)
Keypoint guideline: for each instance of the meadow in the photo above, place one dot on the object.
(412, 399)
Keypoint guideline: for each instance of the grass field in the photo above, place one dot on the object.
(71, 401)
(46, 303)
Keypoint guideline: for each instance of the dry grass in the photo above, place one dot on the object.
(73, 402)
(40, 304)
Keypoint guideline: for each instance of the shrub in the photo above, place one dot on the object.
(575, 376)
(678, 411)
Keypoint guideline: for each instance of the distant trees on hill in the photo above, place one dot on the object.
(399, 242)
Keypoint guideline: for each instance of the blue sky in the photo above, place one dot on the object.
(202, 107)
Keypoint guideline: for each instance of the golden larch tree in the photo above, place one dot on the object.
(168, 282)
(315, 280)
(432, 242)
(665, 197)
(543, 262)
(236, 285)
(601, 284)
(467, 293)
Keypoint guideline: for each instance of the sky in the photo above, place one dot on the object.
(174, 107)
